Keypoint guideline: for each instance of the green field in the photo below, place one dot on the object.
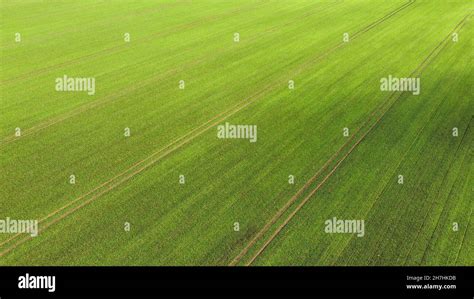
(173, 193)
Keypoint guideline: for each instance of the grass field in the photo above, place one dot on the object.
(173, 193)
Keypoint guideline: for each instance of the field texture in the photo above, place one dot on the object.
(134, 171)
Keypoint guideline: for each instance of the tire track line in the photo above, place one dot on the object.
(384, 18)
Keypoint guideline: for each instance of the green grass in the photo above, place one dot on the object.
(135, 179)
